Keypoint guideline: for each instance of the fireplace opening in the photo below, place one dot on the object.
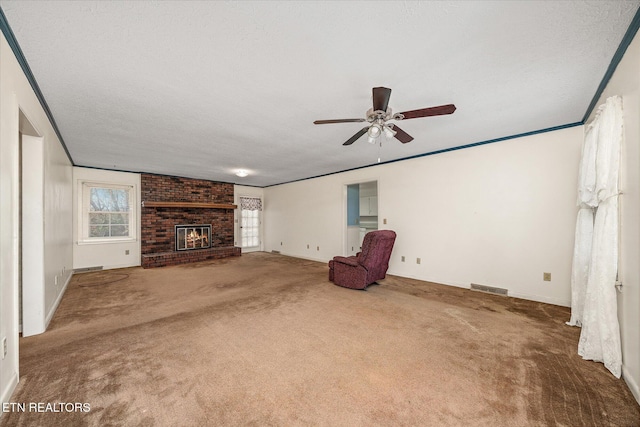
(193, 237)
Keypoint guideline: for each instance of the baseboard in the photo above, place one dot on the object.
(9, 389)
(116, 266)
(430, 280)
(631, 383)
(304, 257)
(57, 302)
(546, 300)
(528, 297)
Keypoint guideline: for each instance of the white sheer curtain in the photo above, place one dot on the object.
(587, 201)
(595, 262)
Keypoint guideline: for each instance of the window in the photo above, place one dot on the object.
(108, 212)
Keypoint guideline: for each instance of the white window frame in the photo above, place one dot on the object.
(84, 198)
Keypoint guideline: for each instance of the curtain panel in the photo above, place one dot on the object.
(251, 203)
(587, 202)
(595, 261)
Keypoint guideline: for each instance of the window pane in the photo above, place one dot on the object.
(98, 231)
(108, 200)
(120, 218)
(119, 230)
(98, 218)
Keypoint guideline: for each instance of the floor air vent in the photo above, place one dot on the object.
(275, 252)
(489, 289)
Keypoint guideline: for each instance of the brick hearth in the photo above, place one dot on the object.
(174, 258)
(158, 223)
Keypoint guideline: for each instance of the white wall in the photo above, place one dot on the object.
(500, 214)
(243, 190)
(626, 82)
(15, 95)
(111, 254)
(57, 222)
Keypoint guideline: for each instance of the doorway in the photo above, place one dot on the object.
(362, 214)
(31, 229)
(250, 223)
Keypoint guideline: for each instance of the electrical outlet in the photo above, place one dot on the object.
(384, 221)
(55, 280)
(317, 248)
(280, 243)
(4, 347)
(417, 260)
(402, 258)
(307, 246)
(546, 277)
(126, 252)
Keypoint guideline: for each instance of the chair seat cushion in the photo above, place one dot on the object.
(352, 261)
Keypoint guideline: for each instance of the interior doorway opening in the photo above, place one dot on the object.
(362, 214)
(30, 227)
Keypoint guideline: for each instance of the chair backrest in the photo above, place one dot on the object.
(376, 248)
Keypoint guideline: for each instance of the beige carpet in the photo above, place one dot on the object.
(265, 339)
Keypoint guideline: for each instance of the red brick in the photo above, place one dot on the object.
(158, 224)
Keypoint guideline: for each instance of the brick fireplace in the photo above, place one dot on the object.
(169, 202)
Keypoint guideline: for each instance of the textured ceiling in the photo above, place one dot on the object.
(200, 89)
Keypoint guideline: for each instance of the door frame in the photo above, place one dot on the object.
(345, 207)
(32, 230)
(260, 246)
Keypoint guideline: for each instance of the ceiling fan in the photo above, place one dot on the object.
(380, 114)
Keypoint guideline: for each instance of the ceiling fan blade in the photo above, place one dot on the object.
(356, 136)
(325, 122)
(381, 97)
(431, 111)
(401, 135)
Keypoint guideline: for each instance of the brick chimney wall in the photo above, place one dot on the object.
(158, 223)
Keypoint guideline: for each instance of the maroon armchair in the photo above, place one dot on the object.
(358, 272)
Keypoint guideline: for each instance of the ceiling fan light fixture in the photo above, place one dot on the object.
(389, 132)
(242, 173)
(374, 131)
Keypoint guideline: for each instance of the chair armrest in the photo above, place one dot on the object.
(352, 261)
